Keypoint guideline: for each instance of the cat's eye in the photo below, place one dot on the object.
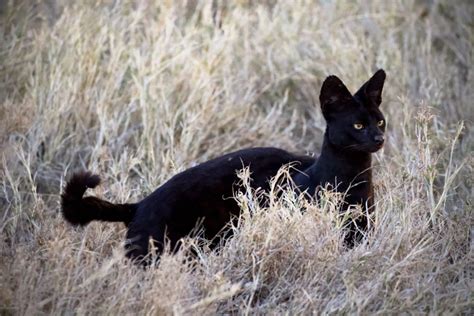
(358, 126)
(380, 123)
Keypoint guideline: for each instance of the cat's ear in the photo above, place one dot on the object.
(371, 91)
(334, 96)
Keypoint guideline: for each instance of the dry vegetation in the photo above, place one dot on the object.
(139, 91)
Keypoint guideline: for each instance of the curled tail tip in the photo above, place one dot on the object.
(85, 178)
(71, 199)
(80, 182)
(93, 180)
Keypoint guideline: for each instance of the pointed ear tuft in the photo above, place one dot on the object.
(371, 91)
(334, 95)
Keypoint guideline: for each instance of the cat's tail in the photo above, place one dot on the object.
(79, 210)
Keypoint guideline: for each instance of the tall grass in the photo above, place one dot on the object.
(138, 91)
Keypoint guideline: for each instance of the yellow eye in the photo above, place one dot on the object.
(380, 123)
(358, 126)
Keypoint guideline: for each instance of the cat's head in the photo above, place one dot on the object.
(354, 122)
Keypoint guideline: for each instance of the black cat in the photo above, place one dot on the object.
(355, 128)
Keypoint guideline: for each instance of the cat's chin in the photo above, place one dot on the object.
(369, 148)
(374, 148)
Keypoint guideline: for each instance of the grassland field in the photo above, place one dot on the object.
(137, 91)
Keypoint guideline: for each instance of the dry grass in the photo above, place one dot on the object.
(140, 91)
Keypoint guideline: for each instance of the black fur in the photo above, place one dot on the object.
(204, 193)
(79, 210)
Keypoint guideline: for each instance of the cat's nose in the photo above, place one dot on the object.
(379, 139)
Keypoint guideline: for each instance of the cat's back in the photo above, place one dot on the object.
(219, 174)
(207, 190)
